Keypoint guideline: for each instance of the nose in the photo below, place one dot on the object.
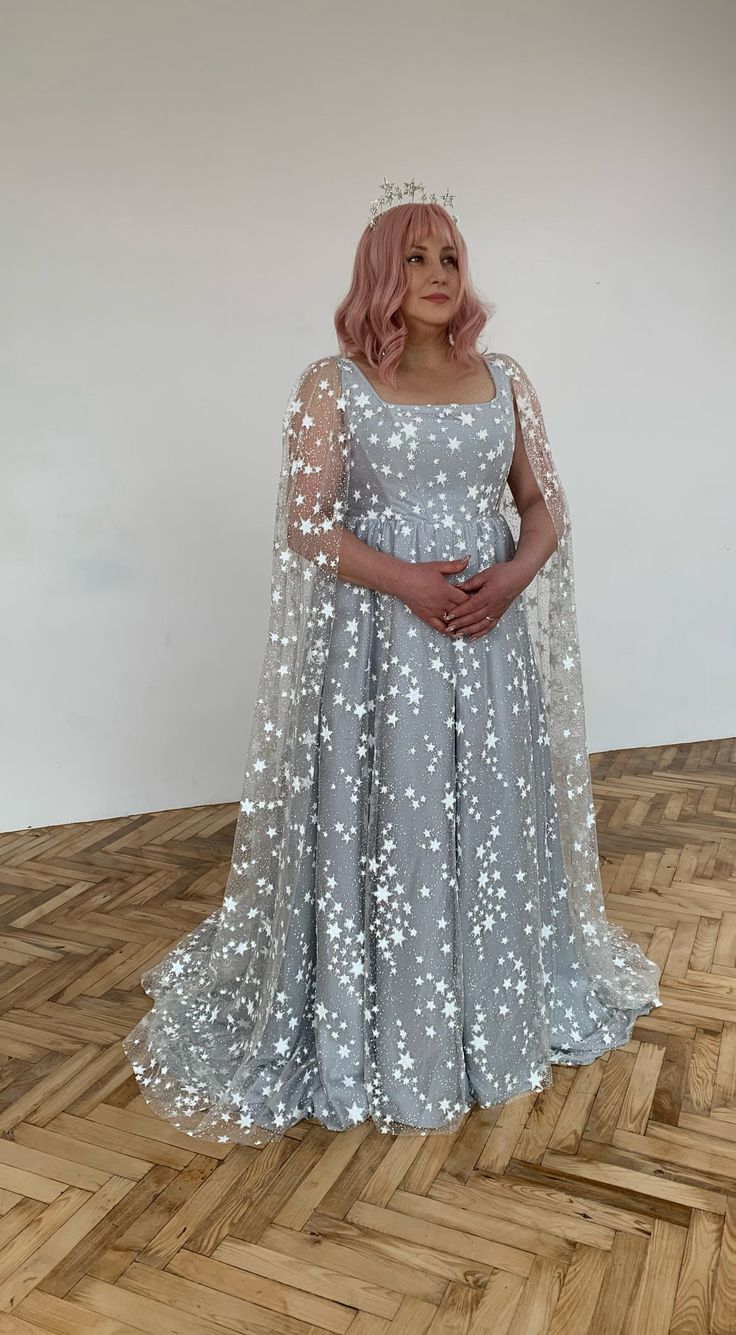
(439, 274)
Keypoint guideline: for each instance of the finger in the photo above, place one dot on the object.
(482, 628)
(471, 604)
(458, 609)
(476, 624)
(438, 624)
(463, 619)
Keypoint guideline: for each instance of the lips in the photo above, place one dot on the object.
(438, 298)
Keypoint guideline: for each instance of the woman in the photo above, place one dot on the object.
(413, 921)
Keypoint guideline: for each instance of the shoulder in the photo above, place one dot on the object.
(324, 372)
(317, 386)
(322, 366)
(508, 363)
(522, 387)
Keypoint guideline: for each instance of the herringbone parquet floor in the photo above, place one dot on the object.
(604, 1204)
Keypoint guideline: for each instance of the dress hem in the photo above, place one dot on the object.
(259, 1134)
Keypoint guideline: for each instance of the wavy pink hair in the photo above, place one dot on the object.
(368, 320)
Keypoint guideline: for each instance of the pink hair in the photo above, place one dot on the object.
(369, 321)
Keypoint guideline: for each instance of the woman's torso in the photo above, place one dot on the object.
(442, 463)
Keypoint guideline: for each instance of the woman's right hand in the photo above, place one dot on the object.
(427, 593)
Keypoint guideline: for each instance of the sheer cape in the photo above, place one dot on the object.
(206, 1041)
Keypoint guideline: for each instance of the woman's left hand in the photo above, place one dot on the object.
(493, 590)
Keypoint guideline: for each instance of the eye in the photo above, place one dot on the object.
(451, 258)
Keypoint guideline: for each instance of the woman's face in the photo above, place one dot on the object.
(432, 269)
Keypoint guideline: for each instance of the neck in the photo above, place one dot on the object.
(426, 352)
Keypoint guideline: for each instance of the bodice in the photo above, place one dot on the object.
(445, 464)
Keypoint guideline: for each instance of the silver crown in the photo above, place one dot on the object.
(392, 193)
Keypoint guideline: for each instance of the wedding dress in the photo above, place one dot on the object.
(413, 920)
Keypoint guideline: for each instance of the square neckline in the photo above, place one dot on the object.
(484, 403)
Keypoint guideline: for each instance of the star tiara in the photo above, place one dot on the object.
(392, 193)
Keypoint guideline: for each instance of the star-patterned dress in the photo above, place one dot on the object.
(429, 961)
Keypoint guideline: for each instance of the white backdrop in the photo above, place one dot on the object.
(183, 188)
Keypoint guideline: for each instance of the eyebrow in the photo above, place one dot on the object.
(415, 246)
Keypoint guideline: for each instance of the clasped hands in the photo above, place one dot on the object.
(470, 607)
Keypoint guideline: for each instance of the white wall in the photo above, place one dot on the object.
(183, 188)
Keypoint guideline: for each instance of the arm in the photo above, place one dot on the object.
(365, 565)
(317, 485)
(537, 536)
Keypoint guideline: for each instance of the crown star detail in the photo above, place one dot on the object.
(392, 193)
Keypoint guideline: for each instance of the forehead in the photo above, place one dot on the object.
(423, 242)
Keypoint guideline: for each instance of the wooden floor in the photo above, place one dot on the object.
(604, 1204)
